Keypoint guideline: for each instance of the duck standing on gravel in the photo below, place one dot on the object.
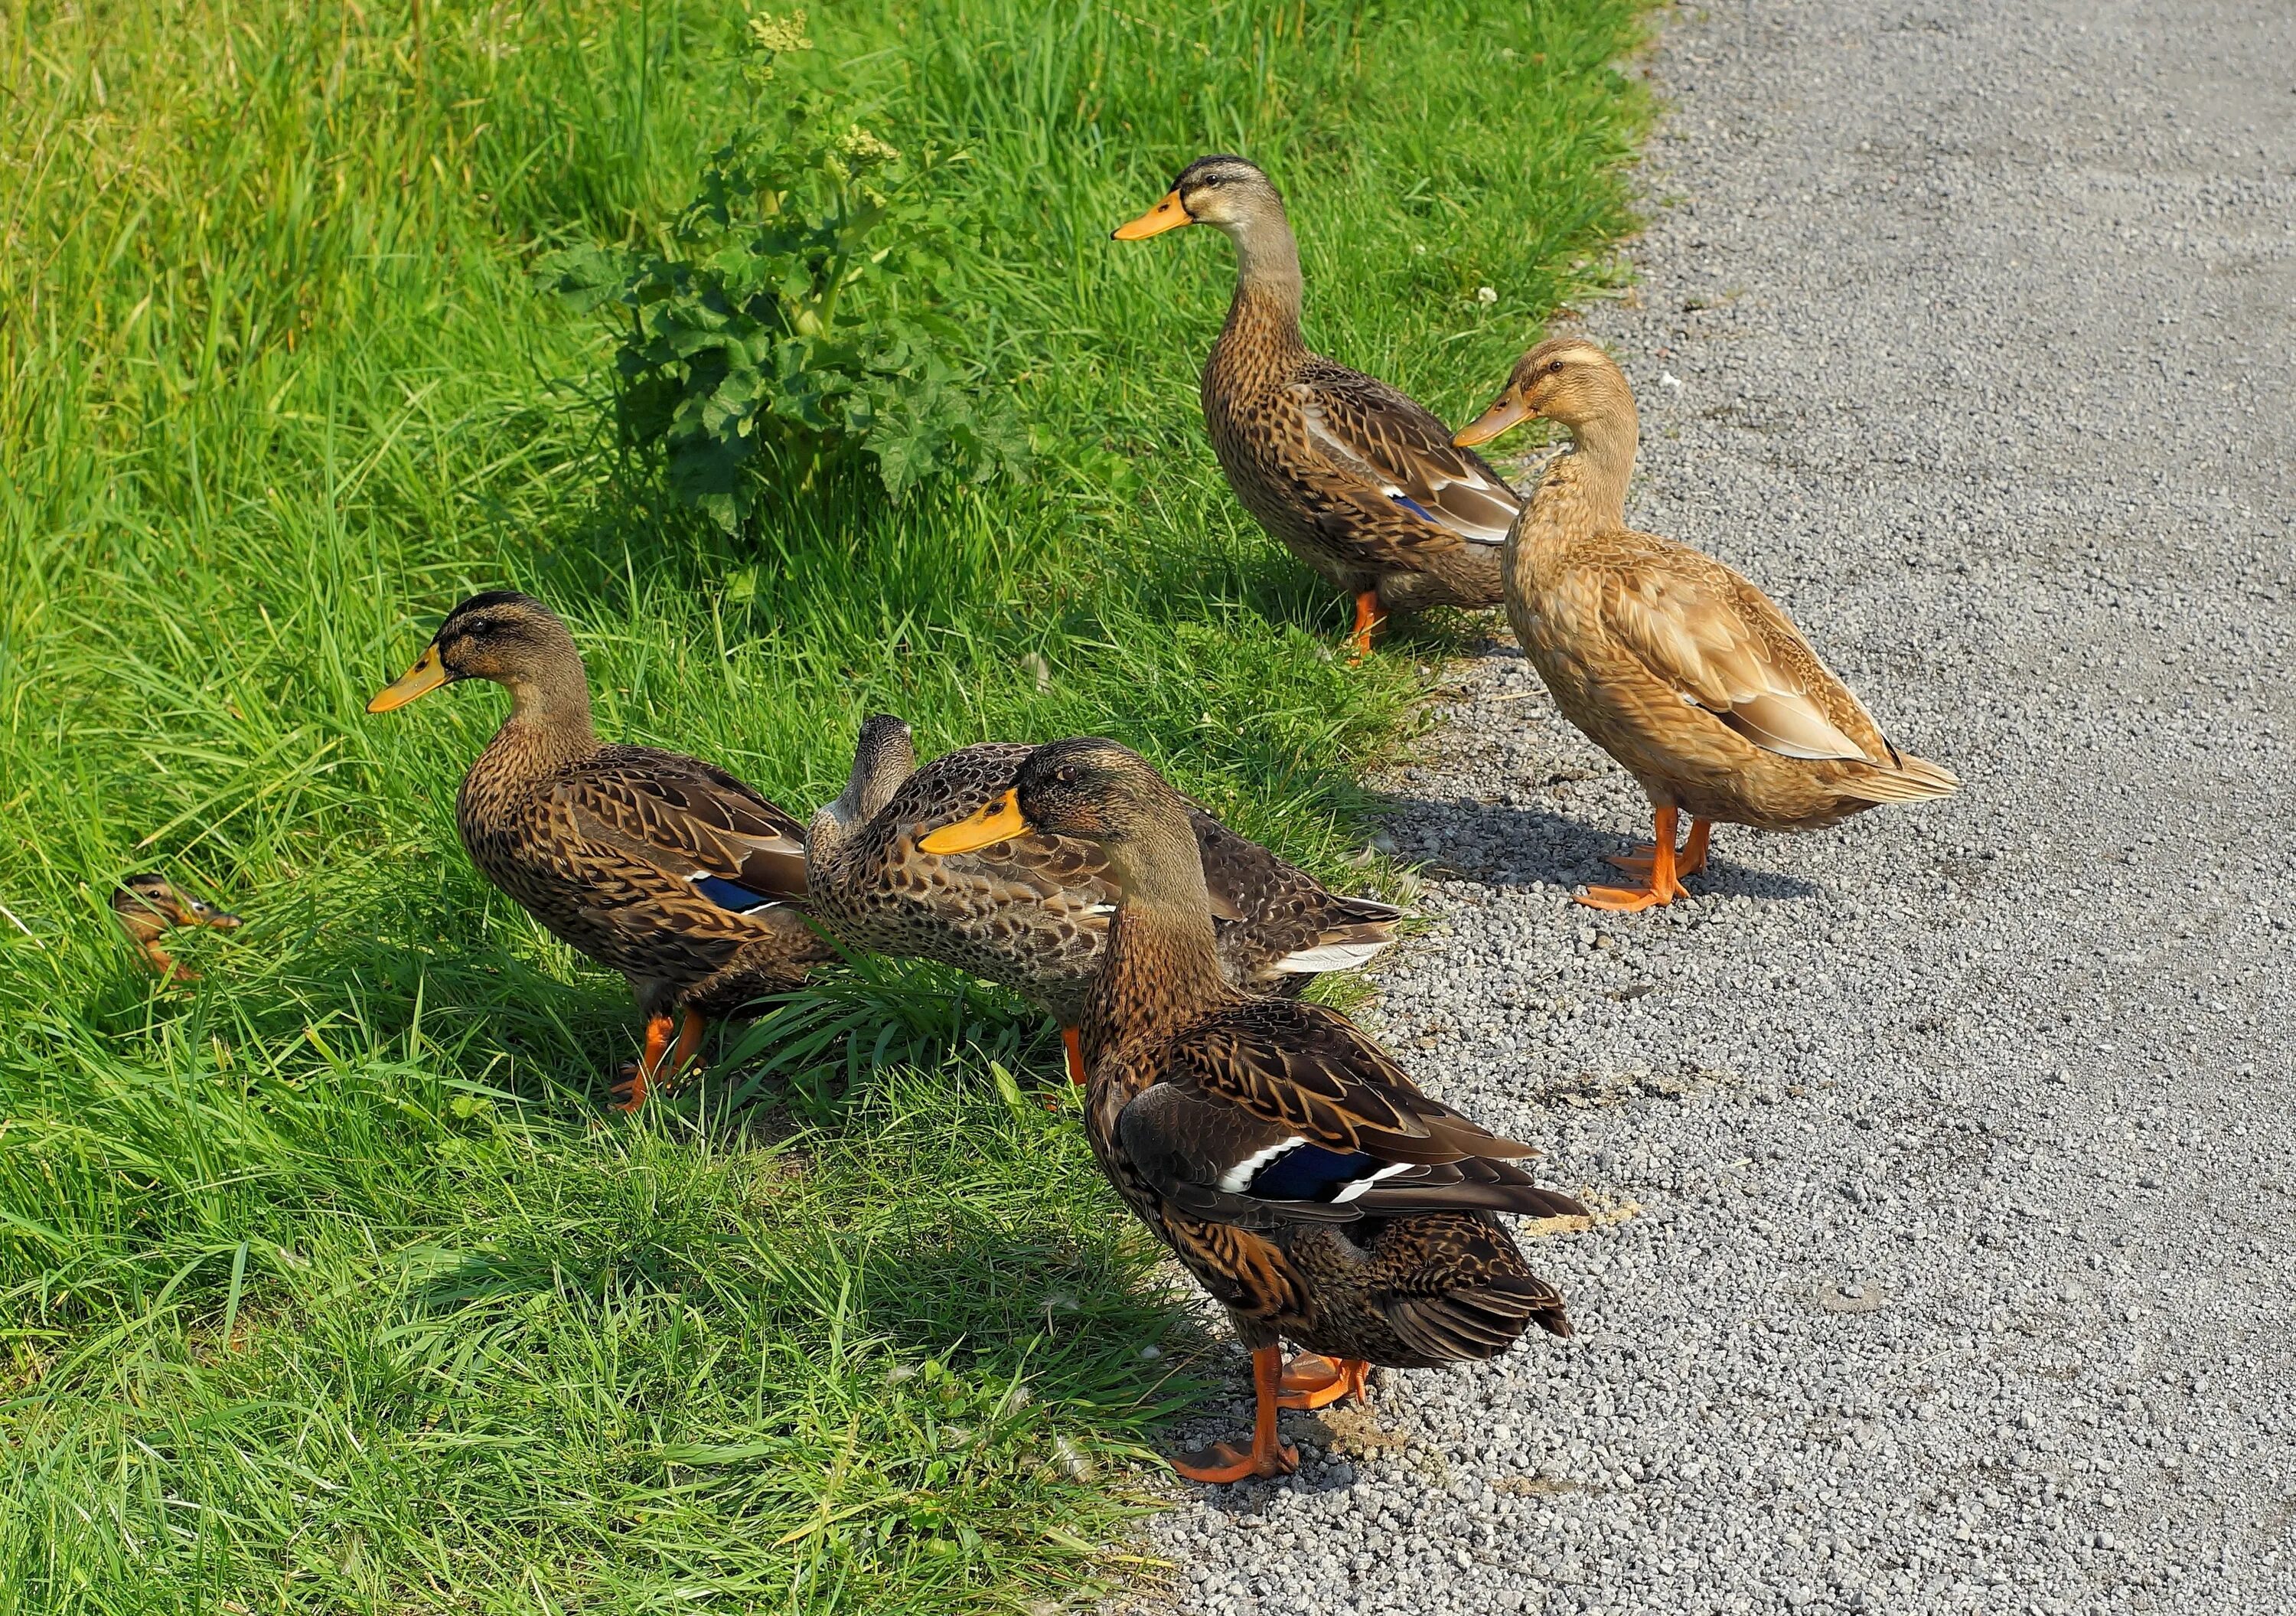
(1294, 1169)
(651, 863)
(1031, 912)
(1688, 675)
(1352, 477)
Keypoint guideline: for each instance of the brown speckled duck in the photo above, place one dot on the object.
(1349, 474)
(148, 907)
(1031, 913)
(1684, 672)
(1291, 1166)
(651, 863)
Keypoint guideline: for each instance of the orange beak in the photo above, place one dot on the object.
(1508, 412)
(997, 821)
(1166, 214)
(426, 676)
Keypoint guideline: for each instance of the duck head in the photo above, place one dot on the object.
(510, 638)
(149, 904)
(1091, 789)
(1226, 192)
(1566, 380)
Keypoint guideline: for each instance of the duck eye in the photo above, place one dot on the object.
(1554, 367)
(1066, 776)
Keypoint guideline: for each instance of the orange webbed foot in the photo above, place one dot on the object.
(1221, 1463)
(1629, 900)
(1663, 884)
(1269, 1455)
(1312, 1381)
(1689, 861)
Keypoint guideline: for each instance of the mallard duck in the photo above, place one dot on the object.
(1684, 672)
(1287, 1161)
(148, 907)
(651, 863)
(1349, 474)
(1032, 913)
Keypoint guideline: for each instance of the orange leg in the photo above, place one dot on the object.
(689, 1042)
(1269, 1457)
(1073, 1041)
(1312, 1381)
(1368, 618)
(1687, 862)
(630, 1093)
(1664, 886)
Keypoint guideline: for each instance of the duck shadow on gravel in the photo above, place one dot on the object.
(1501, 844)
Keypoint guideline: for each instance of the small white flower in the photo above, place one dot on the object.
(1486, 294)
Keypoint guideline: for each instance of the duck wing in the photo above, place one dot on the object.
(1272, 1110)
(690, 820)
(1278, 925)
(1383, 438)
(1724, 646)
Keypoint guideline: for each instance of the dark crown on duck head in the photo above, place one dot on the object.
(1091, 788)
(1208, 178)
(489, 633)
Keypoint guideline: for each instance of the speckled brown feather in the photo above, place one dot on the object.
(1032, 913)
(597, 843)
(1307, 445)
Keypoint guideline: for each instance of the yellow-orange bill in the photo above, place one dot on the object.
(999, 821)
(1491, 423)
(426, 676)
(1166, 214)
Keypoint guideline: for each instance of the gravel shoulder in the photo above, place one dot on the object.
(1947, 1154)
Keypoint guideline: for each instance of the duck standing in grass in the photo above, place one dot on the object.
(148, 907)
(1352, 477)
(1688, 675)
(1293, 1168)
(651, 863)
(1031, 913)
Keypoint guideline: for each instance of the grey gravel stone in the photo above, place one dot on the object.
(1970, 333)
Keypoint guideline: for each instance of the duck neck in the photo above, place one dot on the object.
(883, 761)
(1162, 965)
(1269, 285)
(549, 723)
(1584, 487)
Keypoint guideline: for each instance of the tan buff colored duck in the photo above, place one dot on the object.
(1032, 913)
(651, 863)
(149, 906)
(1352, 477)
(1688, 675)
(1284, 1159)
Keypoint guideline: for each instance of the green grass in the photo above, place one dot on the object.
(321, 1284)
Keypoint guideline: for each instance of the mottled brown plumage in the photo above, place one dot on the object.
(1031, 913)
(651, 863)
(1354, 478)
(1287, 1161)
(1684, 672)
